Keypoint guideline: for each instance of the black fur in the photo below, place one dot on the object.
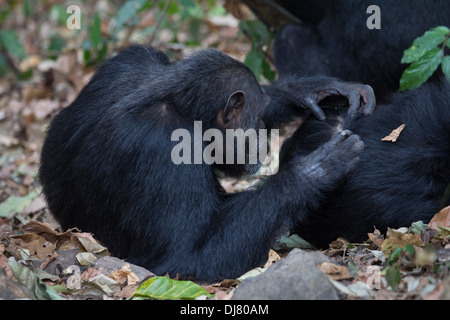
(394, 184)
(106, 162)
(338, 43)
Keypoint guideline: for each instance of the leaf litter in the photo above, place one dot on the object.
(406, 263)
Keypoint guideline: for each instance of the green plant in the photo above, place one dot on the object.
(393, 275)
(257, 58)
(425, 55)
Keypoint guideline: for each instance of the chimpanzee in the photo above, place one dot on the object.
(394, 183)
(339, 43)
(106, 164)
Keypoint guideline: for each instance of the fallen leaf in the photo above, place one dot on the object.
(424, 256)
(15, 204)
(85, 242)
(166, 288)
(441, 219)
(252, 273)
(36, 245)
(124, 276)
(334, 271)
(398, 239)
(394, 134)
(91, 272)
(376, 237)
(47, 231)
(86, 258)
(107, 284)
(356, 290)
(273, 258)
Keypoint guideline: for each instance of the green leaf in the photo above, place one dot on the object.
(393, 276)
(409, 248)
(417, 227)
(16, 204)
(95, 31)
(254, 61)
(267, 71)
(58, 13)
(430, 40)
(127, 12)
(10, 41)
(446, 67)
(395, 255)
(294, 241)
(420, 71)
(257, 31)
(171, 9)
(57, 43)
(28, 8)
(30, 279)
(168, 289)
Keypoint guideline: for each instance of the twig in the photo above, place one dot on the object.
(9, 61)
(158, 23)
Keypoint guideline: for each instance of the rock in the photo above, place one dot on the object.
(294, 278)
(11, 289)
(108, 264)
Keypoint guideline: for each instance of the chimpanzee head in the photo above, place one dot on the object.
(224, 95)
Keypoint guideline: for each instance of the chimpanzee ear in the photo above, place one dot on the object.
(232, 111)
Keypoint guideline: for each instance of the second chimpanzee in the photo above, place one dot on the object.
(395, 183)
(106, 163)
(339, 43)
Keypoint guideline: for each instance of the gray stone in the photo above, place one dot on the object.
(294, 278)
(108, 264)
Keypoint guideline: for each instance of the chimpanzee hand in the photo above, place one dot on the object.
(309, 92)
(332, 160)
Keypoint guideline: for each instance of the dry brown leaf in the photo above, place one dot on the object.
(91, 272)
(394, 134)
(125, 276)
(376, 237)
(47, 231)
(273, 258)
(37, 246)
(334, 271)
(441, 219)
(396, 239)
(85, 242)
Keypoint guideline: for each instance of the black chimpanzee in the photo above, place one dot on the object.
(394, 183)
(397, 183)
(106, 163)
(338, 42)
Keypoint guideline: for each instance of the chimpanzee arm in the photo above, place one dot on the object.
(249, 222)
(293, 96)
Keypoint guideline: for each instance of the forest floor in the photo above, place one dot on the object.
(35, 254)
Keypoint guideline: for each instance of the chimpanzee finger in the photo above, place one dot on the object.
(312, 105)
(338, 138)
(354, 98)
(368, 96)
